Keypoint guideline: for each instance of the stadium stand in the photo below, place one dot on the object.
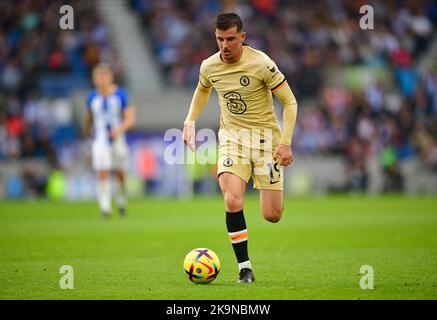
(40, 65)
(367, 111)
(380, 107)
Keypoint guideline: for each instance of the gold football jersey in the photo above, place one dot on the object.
(245, 90)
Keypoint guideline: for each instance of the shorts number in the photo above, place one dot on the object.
(274, 171)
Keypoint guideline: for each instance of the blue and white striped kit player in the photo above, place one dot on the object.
(107, 112)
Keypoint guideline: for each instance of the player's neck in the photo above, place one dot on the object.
(107, 90)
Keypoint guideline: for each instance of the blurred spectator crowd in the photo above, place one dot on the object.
(39, 65)
(361, 94)
(382, 106)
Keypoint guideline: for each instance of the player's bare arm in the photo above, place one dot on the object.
(198, 103)
(283, 152)
(128, 122)
(89, 124)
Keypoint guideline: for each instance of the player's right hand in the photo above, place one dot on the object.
(283, 155)
(189, 134)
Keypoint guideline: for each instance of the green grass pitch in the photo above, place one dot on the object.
(315, 252)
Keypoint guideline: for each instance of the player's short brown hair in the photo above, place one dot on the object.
(225, 21)
(102, 66)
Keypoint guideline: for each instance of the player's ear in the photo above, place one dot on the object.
(243, 36)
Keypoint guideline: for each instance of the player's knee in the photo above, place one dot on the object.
(273, 218)
(233, 202)
(273, 214)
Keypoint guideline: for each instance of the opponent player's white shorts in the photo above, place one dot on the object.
(107, 156)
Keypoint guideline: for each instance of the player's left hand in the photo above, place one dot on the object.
(116, 132)
(283, 155)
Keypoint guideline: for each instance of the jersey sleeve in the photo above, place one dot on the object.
(89, 100)
(273, 77)
(124, 98)
(203, 76)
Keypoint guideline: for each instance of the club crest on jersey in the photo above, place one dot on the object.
(228, 162)
(244, 81)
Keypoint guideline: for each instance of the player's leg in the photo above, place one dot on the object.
(102, 163)
(269, 179)
(233, 188)
(120, 191)
(234, 170)
(120, 157)
(104, 192)
(272, 204)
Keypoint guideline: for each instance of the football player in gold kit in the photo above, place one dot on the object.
(251, 143)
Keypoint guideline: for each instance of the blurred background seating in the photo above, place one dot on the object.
(367, 118)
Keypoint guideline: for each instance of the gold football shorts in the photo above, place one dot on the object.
(250, 156)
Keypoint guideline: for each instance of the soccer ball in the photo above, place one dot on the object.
(201, 265)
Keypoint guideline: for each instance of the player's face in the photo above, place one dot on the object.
(102, 78)
(230, 43)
